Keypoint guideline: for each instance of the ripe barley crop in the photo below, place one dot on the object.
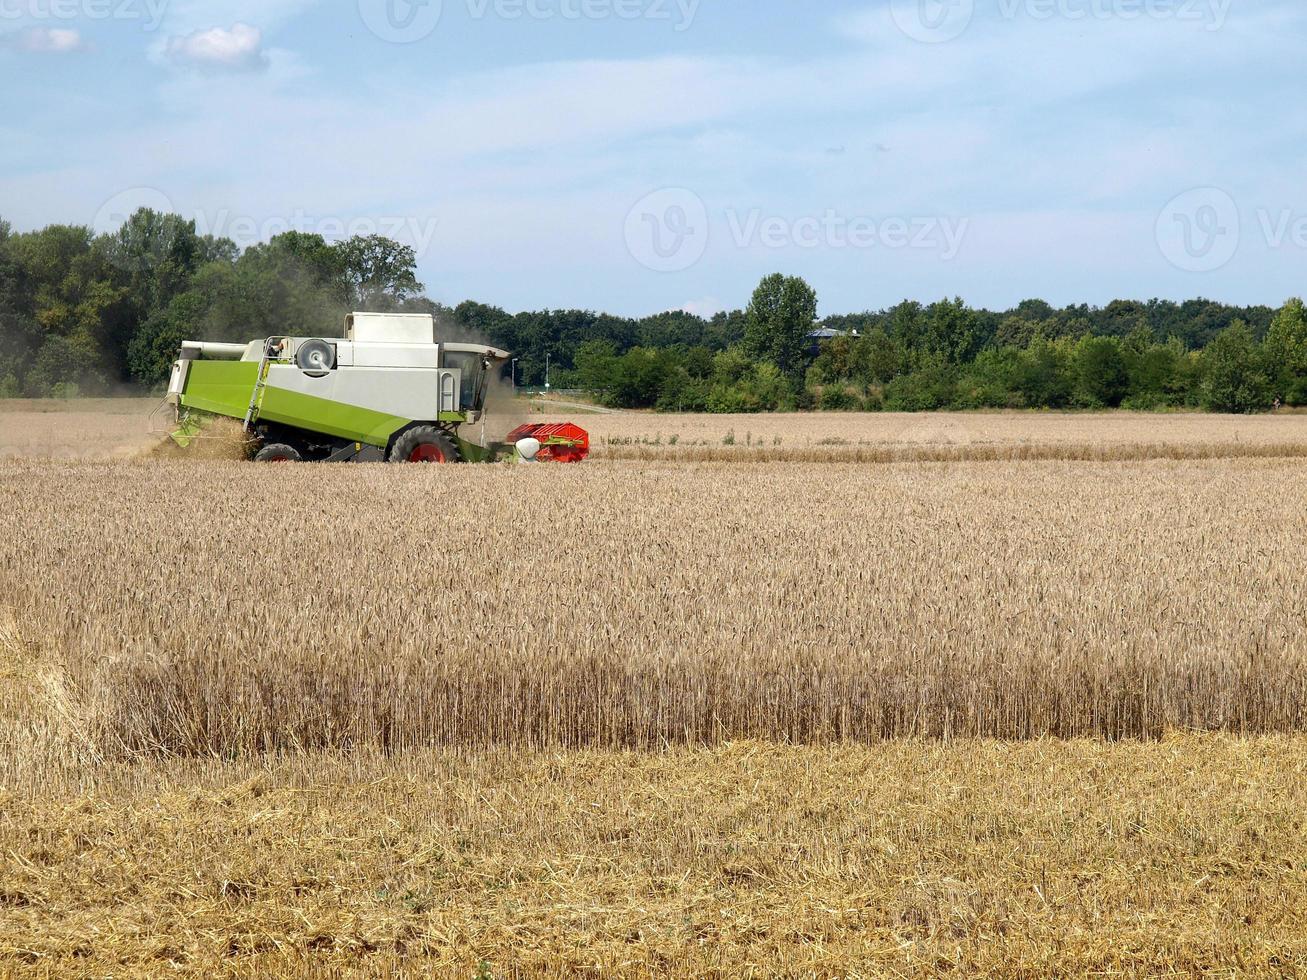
(217, 608)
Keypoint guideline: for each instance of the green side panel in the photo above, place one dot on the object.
(220, 387)
(225, 387)
(470, 452)
(329, 417)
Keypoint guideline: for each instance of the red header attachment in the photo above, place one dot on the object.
(560, 443)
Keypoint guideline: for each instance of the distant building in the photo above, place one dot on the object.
(818, 337)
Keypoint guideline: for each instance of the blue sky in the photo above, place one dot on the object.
(641, 155)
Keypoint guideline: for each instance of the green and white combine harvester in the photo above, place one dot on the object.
(386, 391)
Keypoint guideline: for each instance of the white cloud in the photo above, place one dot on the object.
(237, 49)
(51, 40)
(1057, 140)
(706, 308)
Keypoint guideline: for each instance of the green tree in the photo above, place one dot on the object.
(1153, 371)
(155, 254)
(675, 328)
(777, 323)
(991, 381)
(65, 366)
(1120, 318)
(884, 356)
(293, 284)
(154, 347)
(380, 273)
(1235, 378)
(698, 363)
(19, 332)
(1285, 350)
(639, 376)
(838, 360)
(1101, 376)
(929, 388)
(68, 289)
(596, 366)
(949, 331)
(1043, 375)
(8, 271)
(683, 393)
(1016, 331)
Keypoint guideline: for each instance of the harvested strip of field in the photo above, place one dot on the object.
(833, 432)
(78, 429)
(629, 606)
(106, 428)
(1183, 857)
(836, 452)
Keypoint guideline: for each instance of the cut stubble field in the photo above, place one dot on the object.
(1007, 713)
(952, 429)
(1183, 857)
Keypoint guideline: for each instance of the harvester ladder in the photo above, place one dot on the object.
(260, 382)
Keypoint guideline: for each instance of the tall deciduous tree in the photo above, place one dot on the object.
(949, 330)
(1235, 380)
(1286, 353)
(381, 273)
(778, 321)
(1101, 377)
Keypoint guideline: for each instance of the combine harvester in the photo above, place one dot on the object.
(387, 392)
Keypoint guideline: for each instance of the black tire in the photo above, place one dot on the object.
(278, 452)
(424, 444)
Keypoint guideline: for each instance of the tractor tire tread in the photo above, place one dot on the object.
(278, 452)
(420, 435)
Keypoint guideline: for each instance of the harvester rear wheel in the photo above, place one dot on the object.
(276, 452)
(424, 444)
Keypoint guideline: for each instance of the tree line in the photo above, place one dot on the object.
(915, 357)
(82, 313)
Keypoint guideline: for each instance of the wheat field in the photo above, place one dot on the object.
(627, 606)
(1018, 712)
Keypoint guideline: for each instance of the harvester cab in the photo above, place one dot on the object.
(387, 390)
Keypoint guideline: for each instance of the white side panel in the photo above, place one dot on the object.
(397, 355)
(215, 352)
(391, 328)
(177, 383)
(403, 392)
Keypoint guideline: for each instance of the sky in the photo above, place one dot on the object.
(634, 156)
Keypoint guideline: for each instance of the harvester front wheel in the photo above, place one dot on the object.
(424, 444)
(277, 452)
